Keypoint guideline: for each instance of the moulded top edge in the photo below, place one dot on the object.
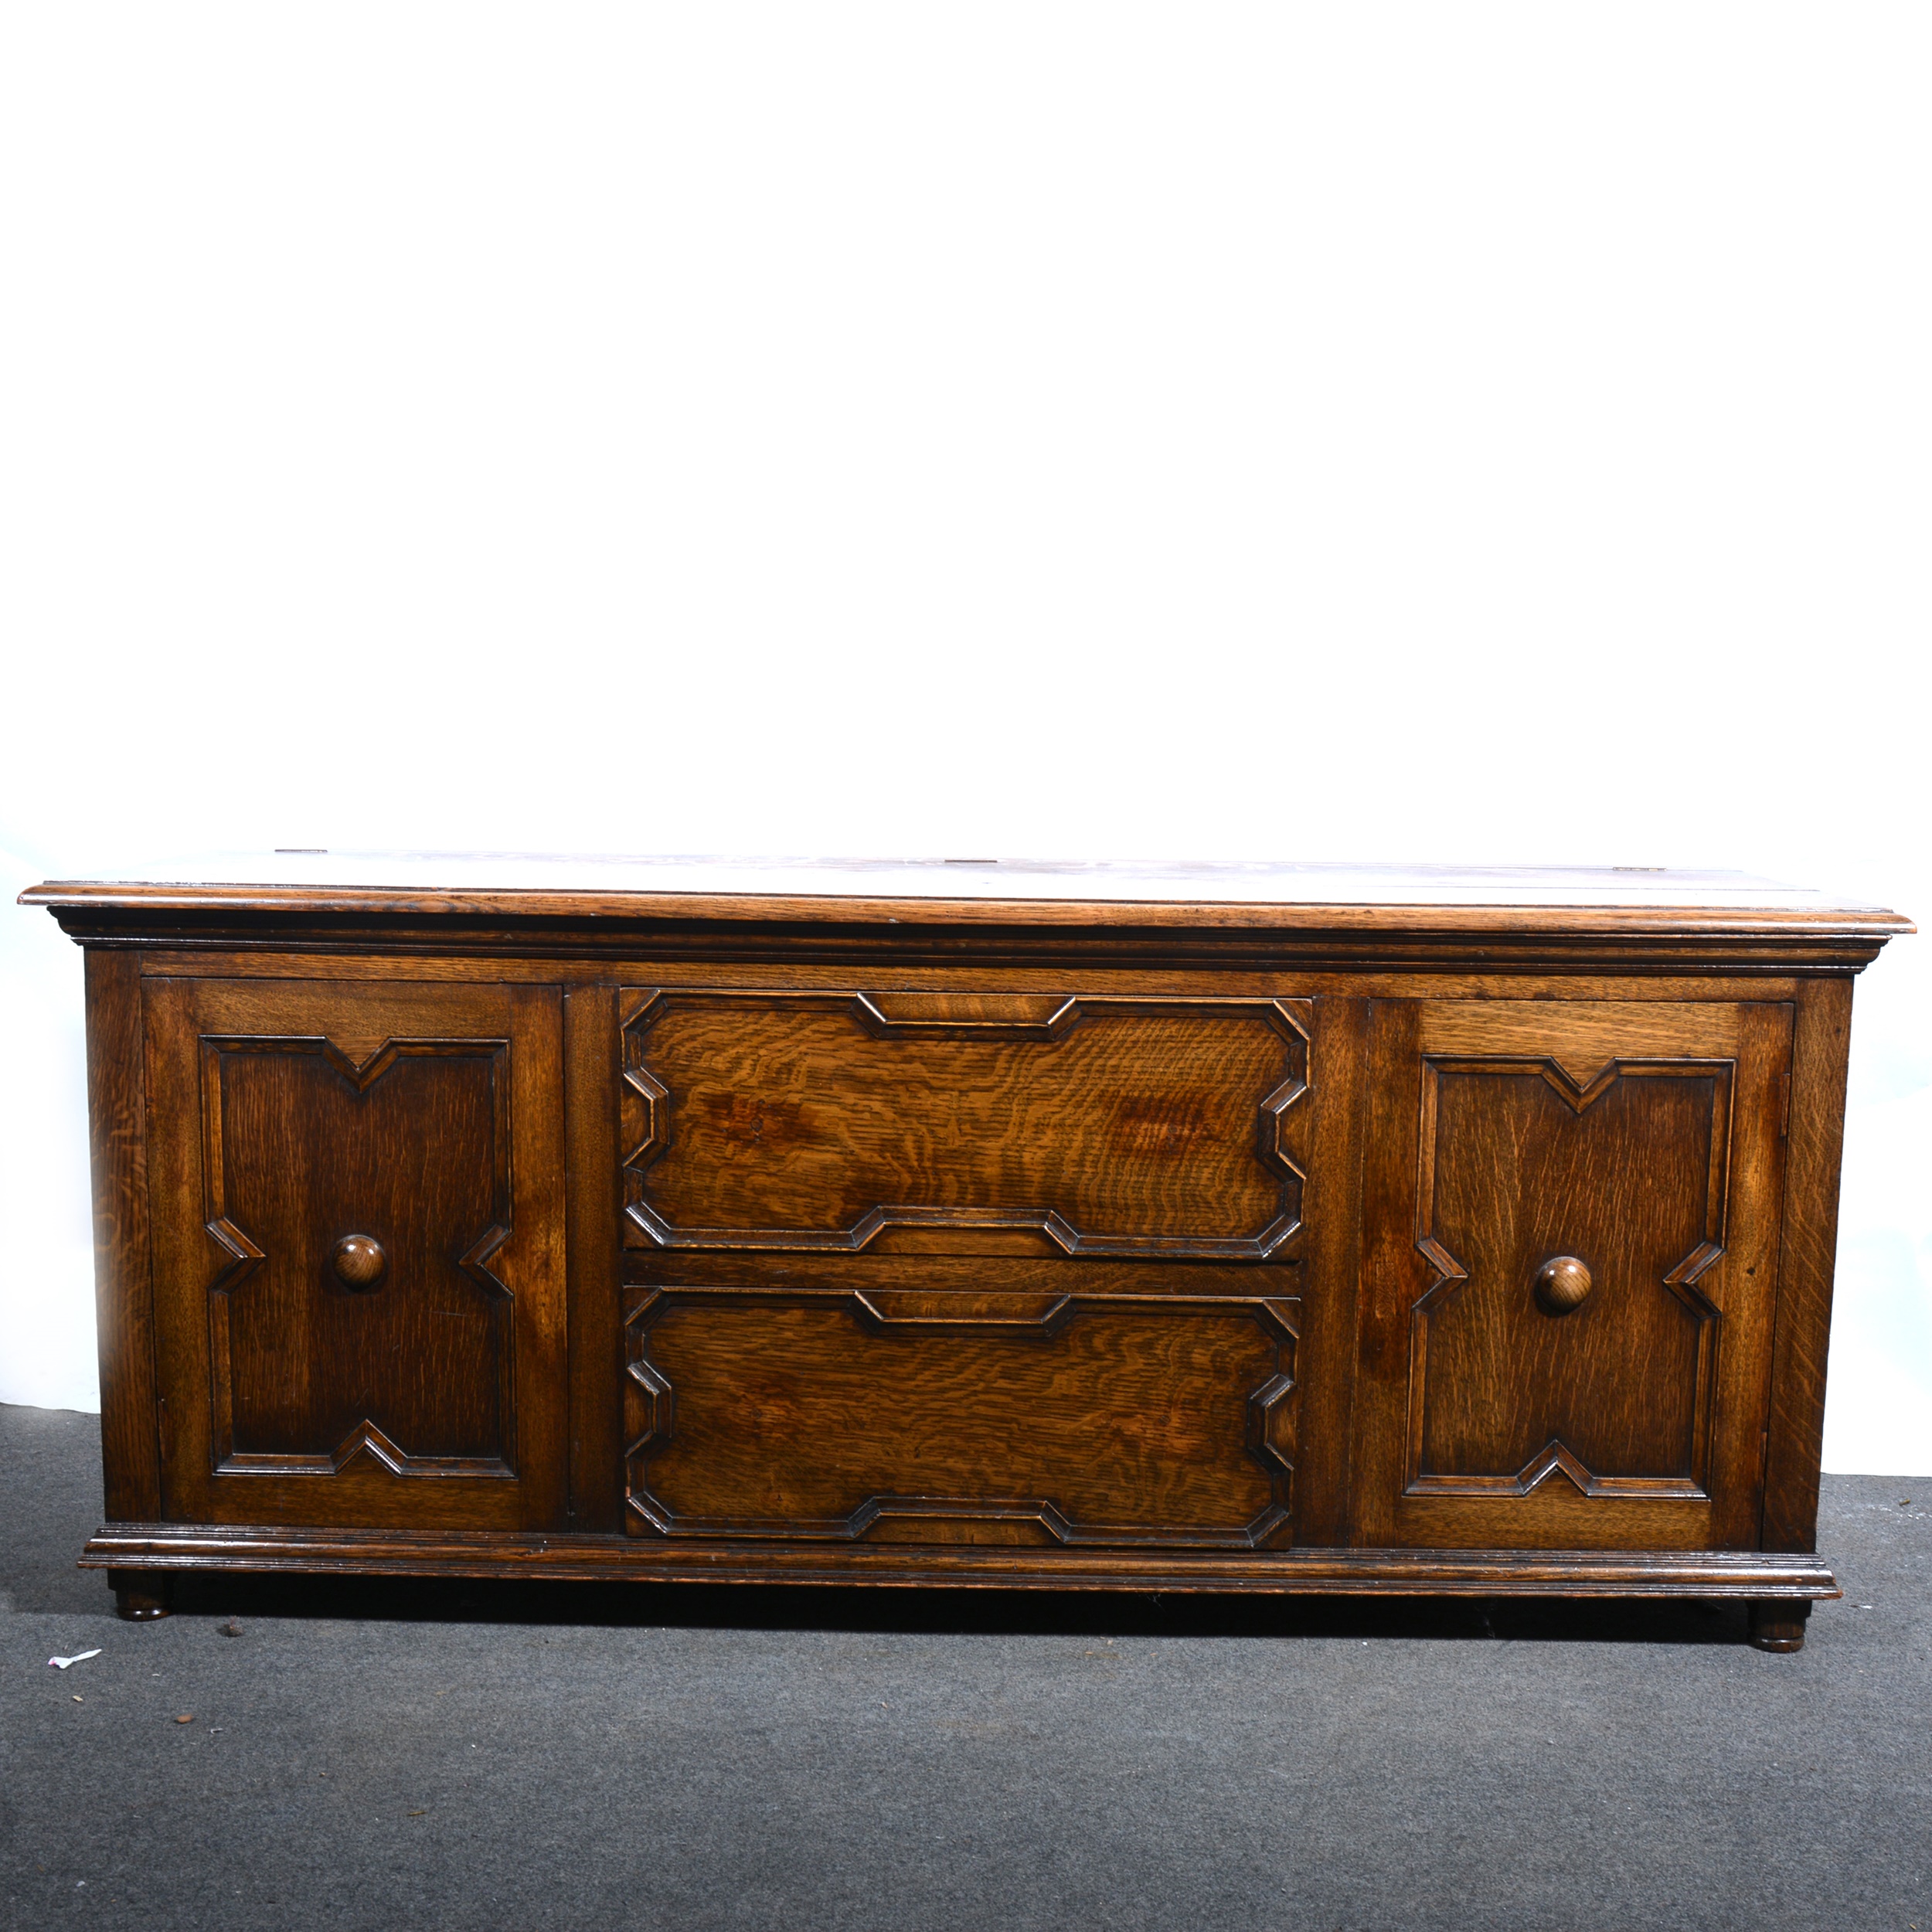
(1282, 896)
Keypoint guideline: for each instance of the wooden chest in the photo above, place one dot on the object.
(1196, 1228)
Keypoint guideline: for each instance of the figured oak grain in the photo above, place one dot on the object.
(1103, 1126)
(946, 1418)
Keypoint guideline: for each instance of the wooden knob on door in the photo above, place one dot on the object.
(1562, 1284)
(360, 1261)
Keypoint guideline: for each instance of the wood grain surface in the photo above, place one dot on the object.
(1099, 1126)
(288, 1114)
(945, 1418)
(306, 1152)
(1138, 1238)
(1795, 1442)
(130, 1416)
(1747, 1575)
(1180, 891)
(1627, 1176)
(1174, 974)
(595, 1207)
(1637, 1419)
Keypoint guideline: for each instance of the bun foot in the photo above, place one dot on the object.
(140, 1595)
(1779, 1626)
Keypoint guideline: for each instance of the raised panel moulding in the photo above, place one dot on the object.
(332, 1172)
(1542, 1195)
(1125, 1127)
(776, 1414)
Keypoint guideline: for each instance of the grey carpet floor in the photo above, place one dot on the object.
(390, 1754)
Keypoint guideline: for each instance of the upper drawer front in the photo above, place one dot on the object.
(836, 1121)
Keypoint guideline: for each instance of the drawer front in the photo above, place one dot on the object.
(356, 1193)
(947, 1416)
(1053, 1122)
(1570, 1273)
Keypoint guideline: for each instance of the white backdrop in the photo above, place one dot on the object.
(1488, 432)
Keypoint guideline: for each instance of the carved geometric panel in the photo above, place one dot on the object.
(1058, 1419)
(409, 1147)
(1123, 1127)
(1522, 1161)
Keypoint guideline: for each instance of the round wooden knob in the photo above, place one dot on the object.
(360, 1261)
(1562, 1284)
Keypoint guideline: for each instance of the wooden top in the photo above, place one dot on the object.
(1278, 894)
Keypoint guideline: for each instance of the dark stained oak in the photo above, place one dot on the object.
(1563, 1285)
(1769, 1577)
(781, 958)
(360, 1261)
(1515, 1135)
(310, 1363)
(596, 1199)
(1330, 1271)
(1779, 1625)
(140, 1596)
(1630, 1173)
(872, 1274)
(1270, 1228)
(1813, 1125)
(296, 1124)
(124, 1298)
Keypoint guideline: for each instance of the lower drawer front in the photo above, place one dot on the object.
(1017, 1419)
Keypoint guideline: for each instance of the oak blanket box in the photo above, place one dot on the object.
(1164, 1228)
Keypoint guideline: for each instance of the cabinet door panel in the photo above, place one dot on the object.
(1570, 1271)
(1519, 1169)
(357, 1195)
